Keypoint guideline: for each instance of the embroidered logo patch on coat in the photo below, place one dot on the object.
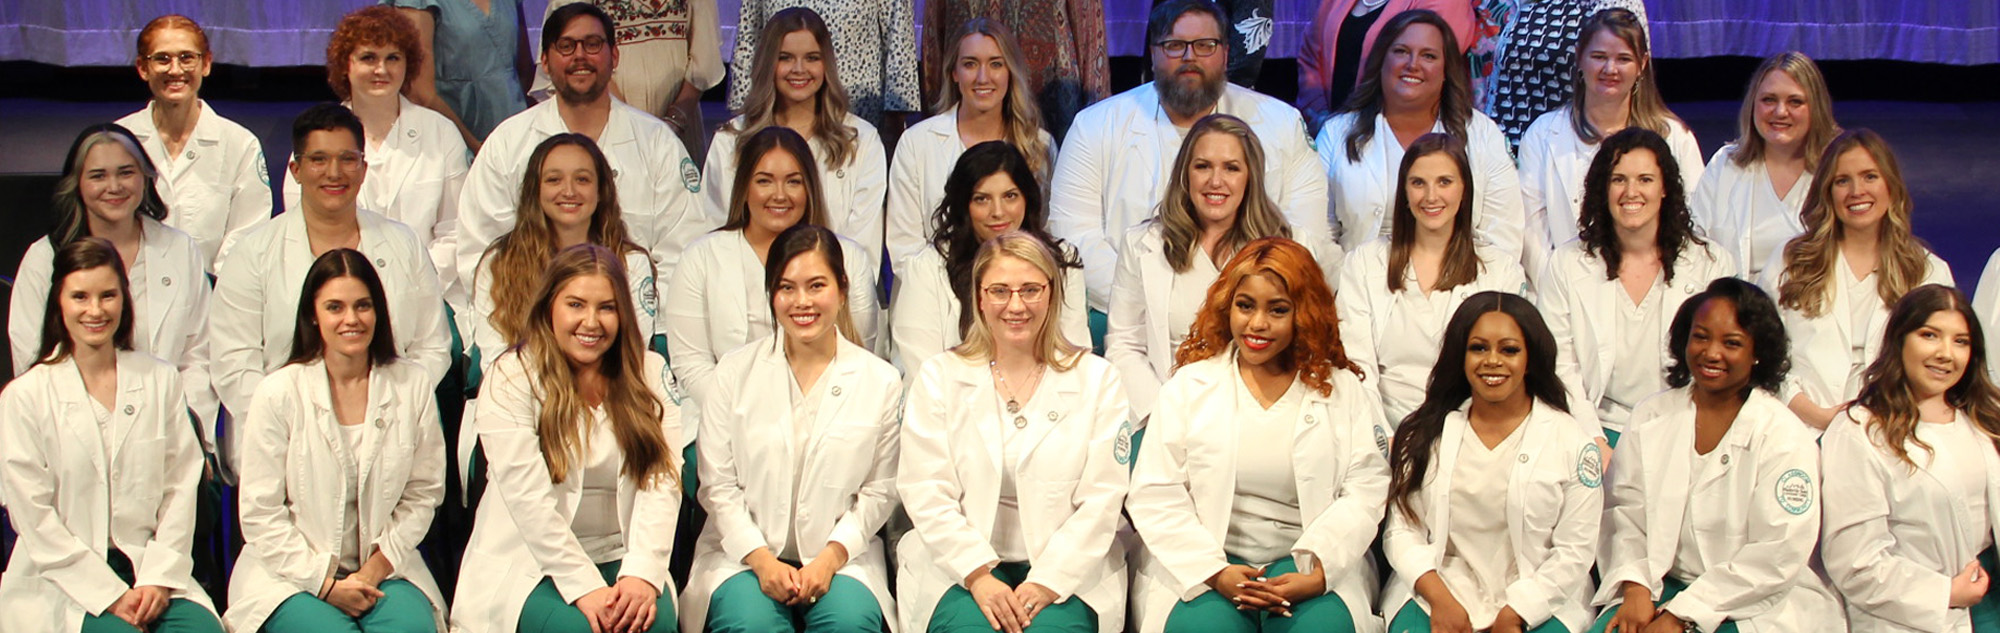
(1795, 491)
(1590, 466)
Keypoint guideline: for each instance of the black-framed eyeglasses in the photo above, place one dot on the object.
(1203, 47)
(591, 45)
(166, 61)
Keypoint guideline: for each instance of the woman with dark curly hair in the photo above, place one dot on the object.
(1721, 443)
(1610, 294)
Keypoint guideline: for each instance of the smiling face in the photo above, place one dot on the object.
(1860, 189)
(1260, 321)
(777, 196)
(1435, 190)
(110, 184)
(585, 315)
(376, 71)
(1413, 71)
(581, 76)
(1935, 355)
(91, 306)
(1782, 115)
(808, 299)
(569, 188)
(1218, 178)
(1189, 83)
(346, 316)
(329, 168)
(997, 206)
(1496, 359)
(1636, 189)
(980, 74)
(1016, 322)
(175, 82)
(1720, 353)
(801, 68)
(1609, 67)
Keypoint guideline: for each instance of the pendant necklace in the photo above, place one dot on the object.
(1013, 403)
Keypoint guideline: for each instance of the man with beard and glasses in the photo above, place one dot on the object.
(1114, 166)
(657, 180)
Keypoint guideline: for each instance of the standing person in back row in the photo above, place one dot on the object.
(1114, 166)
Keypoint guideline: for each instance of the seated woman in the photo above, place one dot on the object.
(1910, 482)
(991, 191)
(798, 463)
(1479, 541)
(1255, 515)
(1750, 196)
(1396, 293)
(343, 468)
(577, 525)
(1694, 538)
(1016, 449)
(98, 468)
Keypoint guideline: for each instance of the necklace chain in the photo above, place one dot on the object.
(1007, 389)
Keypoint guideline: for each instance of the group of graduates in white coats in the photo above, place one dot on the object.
(1372, 381)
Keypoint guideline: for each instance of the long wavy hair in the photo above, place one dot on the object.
(1807, 282)
(1644, 107)
(1050, 345)
(1454, 104)
(72, 216)
(797, 241)
(1597, 228)
(631, 408)
(1256, 218)
(1461, 256)
(1885, 389)
(1755, 313)
(958, 243)
(307, 345)
(1417, 436)
(1750, 145)
(1315, 352)
(1022, 117)
(776, 138)
(760, 106)
(82, 254)
(519, 257)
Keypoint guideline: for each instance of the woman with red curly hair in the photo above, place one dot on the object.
(1259, 492)
(416, 158)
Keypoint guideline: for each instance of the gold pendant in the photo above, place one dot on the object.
(1013, 406)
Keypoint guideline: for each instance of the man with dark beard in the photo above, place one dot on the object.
(656, 180)
(1119, 154)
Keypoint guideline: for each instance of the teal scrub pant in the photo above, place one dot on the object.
(1670, 587)
(740, 606)
(1099, 324)
(181, 615)
(1986, 614)
(403, 608)
(1212, 612)
(1611, 437)
(1413, 619)
(547, 612)
(957, 613)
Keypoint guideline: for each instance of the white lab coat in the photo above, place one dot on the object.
(706, 315)
(1120, 154)
(1070, 479)
(1371, 318)
(71, 506)
(1729, 200)
(1753, 541)
(1184, 487)
(257, 303)
(219, 185)
(1362, 192)
(1554, 506)
(1893, 536)
(926, 153)
(658, 184)
(522, 533)
(845, 494)
(923, 314)
(1822, 360)
(170, 305)
(1554, 162)
(1136, 337)
(852, 192)
(1582, 311)
(293, 499)
(415, 177)
(1985, 303)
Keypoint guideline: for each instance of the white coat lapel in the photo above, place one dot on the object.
(1439, 488)
(976, 381)
(401, 148)
(1050, 412)
(1534, 434)
(78, 420)
(153, 246)
(837, 389)
(130, 400)
(324, 425)
(1158, 279)
(1670, 488)
(1604, 320)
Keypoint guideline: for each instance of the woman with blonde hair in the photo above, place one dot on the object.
(1836, 282)
(1750, 196)
(1016, 449)
(577, 527)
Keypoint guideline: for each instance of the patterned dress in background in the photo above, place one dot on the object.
(1062, 40)
(875, 43)
(1521, 68)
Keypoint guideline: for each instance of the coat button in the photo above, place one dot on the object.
(1524, 458)
(128, 409)
(381, 424)
(190, 154)
(836, 390)
(381, 263)
(1725, 460)
(840, 173)
(1052, 416)
(166, 281)
(1309, 418)
(413, 133)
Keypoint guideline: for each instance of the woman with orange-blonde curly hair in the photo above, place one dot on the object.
(1239, 450)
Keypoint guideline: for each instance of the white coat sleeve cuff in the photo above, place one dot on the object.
(850, 538)
(584, 580)
(966, 570)
(1532, 601)
(1702, 615)
(1057, 582)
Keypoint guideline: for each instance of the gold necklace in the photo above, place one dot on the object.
(1006, 389)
